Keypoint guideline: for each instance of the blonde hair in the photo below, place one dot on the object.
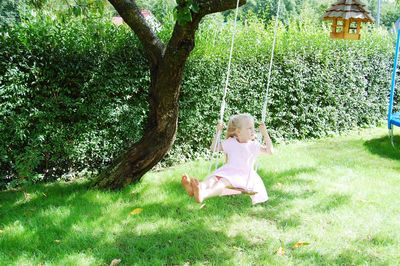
(236, 122)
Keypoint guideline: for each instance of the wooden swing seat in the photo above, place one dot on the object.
(243, 191)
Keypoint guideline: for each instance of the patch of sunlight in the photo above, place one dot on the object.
(56, 214)
(338, 178)
(295, 189)
(154, 197)
(80, 259)
(167, 225)
(116, 206)
(88, 234)
(27, 197)
(18, 235)
(97, 197)
(340, 228)
(254, 230)
(241, 256)
(80, 228)
(25, 259)
(86, 228)
(15, 230)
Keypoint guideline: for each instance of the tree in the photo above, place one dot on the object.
(166, 63)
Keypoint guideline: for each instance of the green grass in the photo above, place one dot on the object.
(341, 195)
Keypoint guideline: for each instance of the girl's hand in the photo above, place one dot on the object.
(263, 129)
(220, 126)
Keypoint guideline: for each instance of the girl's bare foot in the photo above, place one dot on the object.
(196, 190)
(186, 185)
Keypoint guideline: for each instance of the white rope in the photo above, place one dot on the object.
(213, 157)
(223, 103)
(228, 72)
(264, 110)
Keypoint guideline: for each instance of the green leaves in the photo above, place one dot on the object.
(183, 11)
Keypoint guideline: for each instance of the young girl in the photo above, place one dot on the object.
(241, 149)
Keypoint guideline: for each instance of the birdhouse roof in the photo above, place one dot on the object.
(348, 9)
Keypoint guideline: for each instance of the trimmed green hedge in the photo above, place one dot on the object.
(74, 94)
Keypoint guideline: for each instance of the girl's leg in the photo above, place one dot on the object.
(207, 183)
(200, 194)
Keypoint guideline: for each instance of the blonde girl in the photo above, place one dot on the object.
(241, 148)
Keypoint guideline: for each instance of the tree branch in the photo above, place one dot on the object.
(213, 6)
(183, 37)
(132, 16)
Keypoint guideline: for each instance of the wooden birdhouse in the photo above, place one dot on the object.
(347, 16)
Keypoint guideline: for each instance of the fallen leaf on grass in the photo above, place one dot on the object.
(57, 241)
(300, 244)
(44, 194)
(136, 211)
(115, 262)
(202, 206)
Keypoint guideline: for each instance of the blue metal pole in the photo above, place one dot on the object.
(393, 85)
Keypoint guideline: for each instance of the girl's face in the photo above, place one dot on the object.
(246, 131)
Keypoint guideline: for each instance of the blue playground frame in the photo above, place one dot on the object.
(394, 119)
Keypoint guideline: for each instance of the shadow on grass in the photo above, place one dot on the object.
(195, 242)
(52, 222)
(59, 222)
(44, 221)
(384, 148)
(332, 202)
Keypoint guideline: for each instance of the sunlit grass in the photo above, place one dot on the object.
(340, 195)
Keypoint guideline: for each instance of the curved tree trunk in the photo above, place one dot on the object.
(158, 137)
(167, 66)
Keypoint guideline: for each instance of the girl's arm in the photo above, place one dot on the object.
(216, 143)
(268, 148)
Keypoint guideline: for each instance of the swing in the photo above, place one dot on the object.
(394, 118)
(247, 190)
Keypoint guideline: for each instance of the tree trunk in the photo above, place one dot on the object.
(160, 131)
(167, 65)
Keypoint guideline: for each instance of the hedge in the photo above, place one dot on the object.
(73, 94)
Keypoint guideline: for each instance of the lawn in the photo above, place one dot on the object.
(338, 196)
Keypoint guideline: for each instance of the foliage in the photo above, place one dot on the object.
(67, 101)
(73, 94)
(390, 15)
(8, 13)
(67, 9)
(183, 11)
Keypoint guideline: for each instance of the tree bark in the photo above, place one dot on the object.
(166, 66)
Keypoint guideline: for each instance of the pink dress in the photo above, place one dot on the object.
(239, 170)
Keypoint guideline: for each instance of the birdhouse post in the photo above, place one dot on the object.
(346, 17)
